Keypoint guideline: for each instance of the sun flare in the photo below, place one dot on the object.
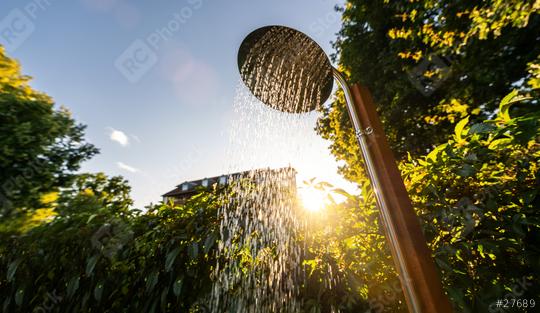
(313, 199)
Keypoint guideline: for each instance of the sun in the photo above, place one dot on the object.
(313, 200)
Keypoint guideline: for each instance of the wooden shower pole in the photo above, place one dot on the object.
(419, 277)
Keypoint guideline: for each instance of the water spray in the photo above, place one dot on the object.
(288, 71)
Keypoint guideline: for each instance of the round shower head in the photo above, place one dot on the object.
(285, 69)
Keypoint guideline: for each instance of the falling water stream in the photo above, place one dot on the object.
(259, 266)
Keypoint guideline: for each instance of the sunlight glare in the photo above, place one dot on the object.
(313, 199)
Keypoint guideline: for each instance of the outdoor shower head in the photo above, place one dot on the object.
(285, 69)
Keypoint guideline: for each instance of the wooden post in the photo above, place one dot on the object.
(423, 277)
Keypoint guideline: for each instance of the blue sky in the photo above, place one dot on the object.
(155, 81)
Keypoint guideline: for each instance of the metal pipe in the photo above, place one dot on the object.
(361, 133)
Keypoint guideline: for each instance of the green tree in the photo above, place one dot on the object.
(477, 198)
(95, 193)
(469, 154)
(478, 51)
(41, 147)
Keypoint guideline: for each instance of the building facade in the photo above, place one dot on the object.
(285, 176)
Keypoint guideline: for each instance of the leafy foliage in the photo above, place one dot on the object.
(478, 197)
(455, 87)
(104, 258)
(429, 64)
(471, 168)
(347, 260)
(41, 147)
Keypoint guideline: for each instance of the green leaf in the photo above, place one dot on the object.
(517, 225)
(466, 170)
(344, 193)
(98, 292)
(480, 249)
(350, 242)
(177, 286)
(171, 256)
(529, 196)
(459, 272)
(84, 301)
(72, 286)
(458, 255)
(498, 143)
(456, 295)
(19, 296)
(7, 302)
(91, 218)
(312, 265)
(12, 269)
(163, 297)
(193, 250)
(459, 130)
(480, 128)
(506, 103)
(151, 281)
(527, 128)
(443, 264)
(91, 264)
(433, 155)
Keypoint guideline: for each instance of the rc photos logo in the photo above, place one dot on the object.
(19, 25)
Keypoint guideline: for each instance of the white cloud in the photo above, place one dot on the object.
(119, 136)
(126, 167)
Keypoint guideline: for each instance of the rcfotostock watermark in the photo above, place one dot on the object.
(18, 25)
(511, 301)
(111, 237)
(8, 190)
(50, 300)
(387, 297)
(141, 55)
(328, 20)
(429, 74)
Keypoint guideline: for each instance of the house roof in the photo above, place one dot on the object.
(194, 186)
